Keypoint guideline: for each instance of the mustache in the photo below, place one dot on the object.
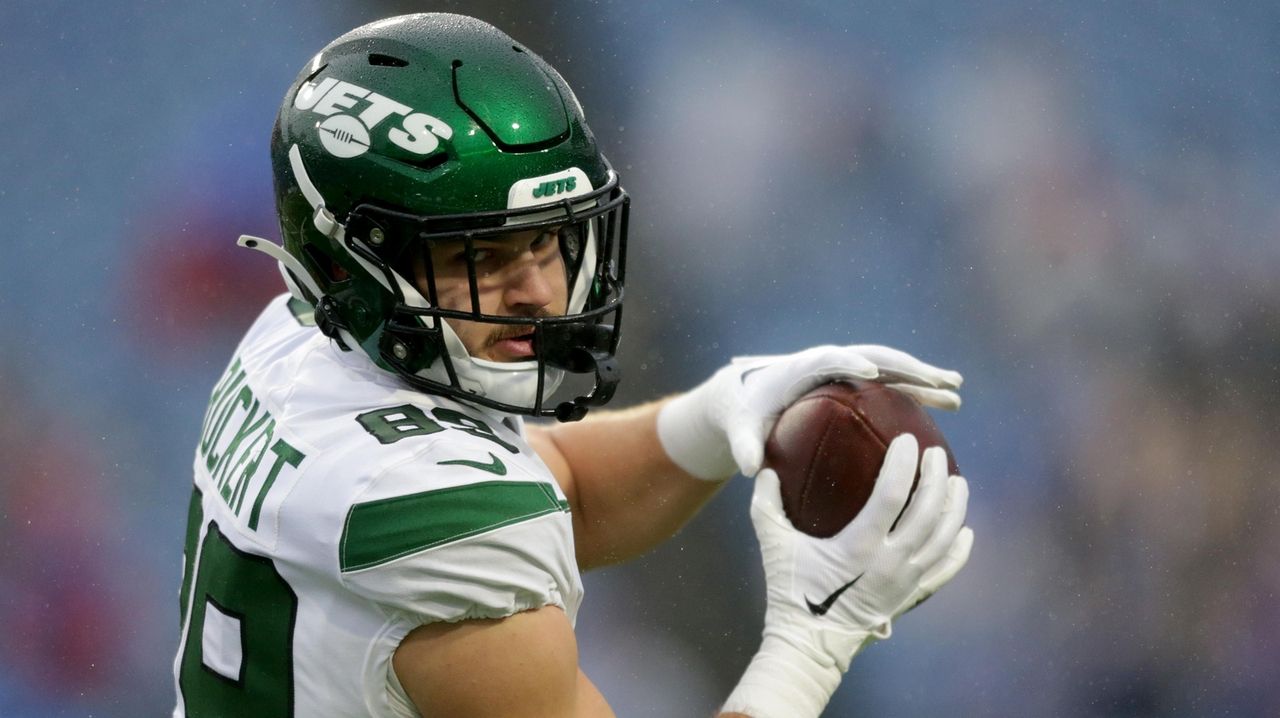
(511, 331)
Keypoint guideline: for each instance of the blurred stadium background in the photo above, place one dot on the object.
(1074, 203)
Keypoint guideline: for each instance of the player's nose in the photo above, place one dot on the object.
(530, 286)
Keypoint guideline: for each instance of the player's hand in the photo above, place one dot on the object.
(720, 426)
(828, 596)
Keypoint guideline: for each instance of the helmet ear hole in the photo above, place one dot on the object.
(328, 267)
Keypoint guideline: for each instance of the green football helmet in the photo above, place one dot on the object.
(431, 128)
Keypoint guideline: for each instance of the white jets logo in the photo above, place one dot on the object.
(347, 135)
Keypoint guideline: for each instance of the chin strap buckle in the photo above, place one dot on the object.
(582, 349)
(324, 221)
(608, 375)
(329, 322)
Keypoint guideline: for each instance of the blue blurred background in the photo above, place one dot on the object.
(1073, 203)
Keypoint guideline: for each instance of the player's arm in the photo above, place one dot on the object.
(626, 494)
(525, 665)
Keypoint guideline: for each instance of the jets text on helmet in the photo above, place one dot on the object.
(346, 133)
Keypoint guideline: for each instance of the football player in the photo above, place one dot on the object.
(374, 531)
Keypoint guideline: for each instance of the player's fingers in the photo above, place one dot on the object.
(945, 399)
(897, 364)
(769, 388)
(830, 363)
(766, 498)
(949, 525)
(746, 444)
(791, 377)
(937, 577)
(924, 510)
(893, 485)
(956, 557)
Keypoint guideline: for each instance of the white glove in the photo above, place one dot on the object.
(829, 597)
(720, 426)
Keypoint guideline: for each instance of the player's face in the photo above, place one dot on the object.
(521, 274)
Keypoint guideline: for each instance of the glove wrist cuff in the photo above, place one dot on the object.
(692, 440)
(784, 681)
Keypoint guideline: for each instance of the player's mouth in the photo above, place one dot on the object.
(515, 344)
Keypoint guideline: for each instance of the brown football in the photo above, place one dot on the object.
(828, 446)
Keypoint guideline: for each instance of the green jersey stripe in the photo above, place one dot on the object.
(380, 531)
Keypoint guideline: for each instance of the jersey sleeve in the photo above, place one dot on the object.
(469, 543)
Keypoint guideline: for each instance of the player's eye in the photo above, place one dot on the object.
(543, 240)
(481, 255)
(570, 236)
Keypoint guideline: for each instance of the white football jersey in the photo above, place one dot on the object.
(334, 511)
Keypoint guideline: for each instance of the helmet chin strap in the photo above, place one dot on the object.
(322, 218)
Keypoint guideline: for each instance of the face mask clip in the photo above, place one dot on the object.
(607, 377)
